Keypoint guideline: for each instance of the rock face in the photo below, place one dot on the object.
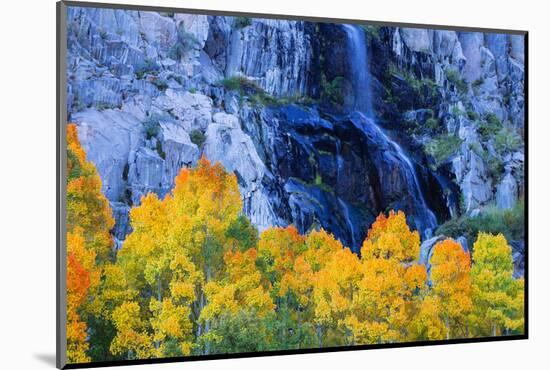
(228, 144)
(148, 94)
(276, 54)
(507, 192)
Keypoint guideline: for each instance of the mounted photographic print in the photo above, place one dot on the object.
(236, 184)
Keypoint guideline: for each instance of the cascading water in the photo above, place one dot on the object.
(362, 90)
(350, 224)
(359, 69)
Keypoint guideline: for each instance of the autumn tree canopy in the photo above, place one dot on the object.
(194, 277)
(498, 297)
(89, 243)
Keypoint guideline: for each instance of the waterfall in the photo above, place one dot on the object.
(362, 89)
(350, 224)
(359, 69)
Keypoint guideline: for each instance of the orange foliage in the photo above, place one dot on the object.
(88, 244)
(450, 274)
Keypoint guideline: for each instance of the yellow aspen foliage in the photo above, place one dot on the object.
(498, 297)
(170, 322)
(450, 275)
(299, 281)
(335, 290)
(88, 245)
(158, 270)
(175, 255)
(390, 238)
(277, 250)
(391, 283)
(132, 338)
(380, 310)
(87, 207)
(320, 247)
(238, 293)
(427, 324)
(240, 288)
(203, 205)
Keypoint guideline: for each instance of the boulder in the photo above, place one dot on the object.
(426, 250)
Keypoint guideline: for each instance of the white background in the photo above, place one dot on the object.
(27, 182)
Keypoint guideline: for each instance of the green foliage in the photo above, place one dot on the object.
(151, 126)
(496, 167)
(102, 333)
(237, 83)
(197, 137)
(297, 99)
(492, 119)
(243, 232)
(160, 150)
(333, 90)
(494, 164)
(478, 82)
(510, 223)
(185, 42)
(258, 96)
(422, 86)
(472, 115)
(242, 22)
(457, 112)
(318, 180)
(432, 123)
(76, 169)
(101, 106)
(453, 76)
(161, 84)
(442, 148)
(489, 127)
(255, 94)
(372, 31)
(140, 73)
(240, 333)
(476, 85)
(507, 140)
(320, 184)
